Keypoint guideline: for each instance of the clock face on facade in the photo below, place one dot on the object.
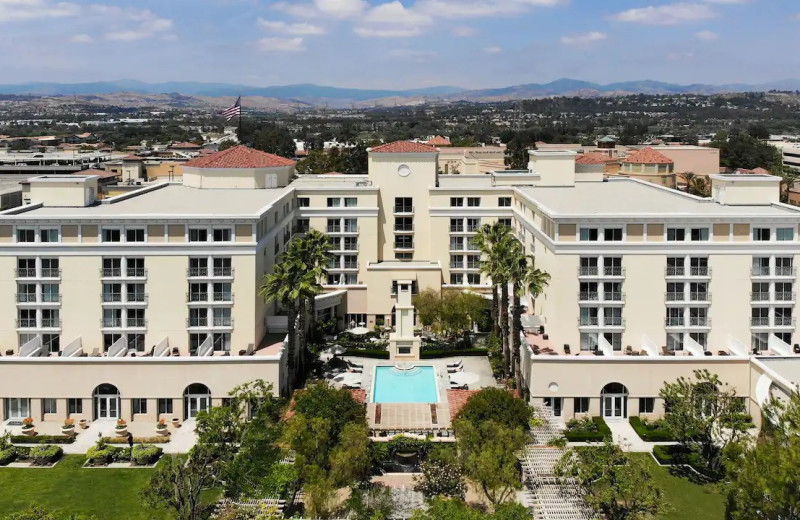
(403, 170)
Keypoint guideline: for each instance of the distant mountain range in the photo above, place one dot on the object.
(318, 95)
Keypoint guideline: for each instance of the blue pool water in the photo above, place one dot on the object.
(417, 385)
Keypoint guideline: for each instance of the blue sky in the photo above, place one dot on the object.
(399, 44)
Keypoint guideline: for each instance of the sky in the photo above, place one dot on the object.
(401, 43)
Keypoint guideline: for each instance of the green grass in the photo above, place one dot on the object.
(68, 488)
(687, 499)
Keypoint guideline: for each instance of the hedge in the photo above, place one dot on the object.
(367, 353)
(439, 353)
(144, 454)
(603, 432)
(42, 439)
(160, 439)
(46, 454)
(8, 455)
(101, 455)
(650, 434)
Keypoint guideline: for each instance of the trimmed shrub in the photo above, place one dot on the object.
(367, 353)
(499, 405)
(45, 454)
(144, 454)
(42, 439)
(651, 431)
(101, 454)
(439, 353)
(7, 455)
(122, 455)
(587, 430)
(160, 439)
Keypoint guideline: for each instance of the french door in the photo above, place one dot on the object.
(614, 406)
(18, 408)
(107, 407)
(195, 403)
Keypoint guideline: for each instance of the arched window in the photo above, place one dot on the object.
(106, 401)
(614, 401)
(196, 398)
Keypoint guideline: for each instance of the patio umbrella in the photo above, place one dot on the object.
(359, 331)
(349, 378)
(464, 378)
(336, 350)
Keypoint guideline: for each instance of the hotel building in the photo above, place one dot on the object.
(146, 304)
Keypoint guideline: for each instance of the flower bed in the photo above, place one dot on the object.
(43, 439)
(136, 440)
(651, 431)
(587, 430)
(7, 455)
(45, 455)
(103, 454)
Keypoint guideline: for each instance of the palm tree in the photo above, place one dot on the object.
(526, 278)
(696, 184)
(489, 235)
(280, 287)
(317, 256)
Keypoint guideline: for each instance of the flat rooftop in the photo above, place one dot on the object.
(628, 197)
(332, 180)
(174, 200)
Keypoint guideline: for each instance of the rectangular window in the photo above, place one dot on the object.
(222, 235)
(198, 235)
(588, 234)
(350, 202)
(784, 234)
(581, 405)
(676, 234)
(134, 235)
(456, 278)
(74, 405)
(112, 235)
(164, 406)
(761, 234)
(504, 202)
(647, 404)
(456, 202)
(303, 202)
(139, 405)
(612, 234)
(404, 242)
(473, 202)
(404, 224)
(473, 278)
(403, 205)
(26, 235)
(699, 234)
(48, 235)
(504, 221)
(49, 405)
(334, 202)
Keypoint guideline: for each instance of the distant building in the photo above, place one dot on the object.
(649, 165)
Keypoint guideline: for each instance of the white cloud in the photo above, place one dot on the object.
(323, 8)
(670, 14)
(708, 36)
(417, 56)
(396, 13)
(24, 10)
(583, 39)
(298, 29)
(464, 31)
(726, 1)
(129, 24)
(387, 32)
(492, 50)
(280, 44)
(479, 8)
(82, 38)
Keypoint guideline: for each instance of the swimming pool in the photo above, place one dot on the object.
(417, 385)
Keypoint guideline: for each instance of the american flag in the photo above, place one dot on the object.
(234, 110)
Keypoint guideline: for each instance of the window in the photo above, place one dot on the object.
(504, 221)
(50, 268)
(48, 235)
(676, 234)
(784, 234)
(74, 405)
(112, 235)
(473, 224)
(504, 202)
(164, 406)
(588, 234)
(222, 235)
(403, 224)
(647, 404)
(350, 202)
(303, 202)
(403, 205)
(699, 234)
(49, 405)
(135, 267)
(612, 234)
(26, 235)
(456, 278)
(473, 202)
(581, 405)
(456, 202)
(134, 235)
(303, 225)
(50, 293)
(404, 242)
(474, 278)
(456, 243)
(139, 405)
(760, 234)
(198, 235)
(334, 202)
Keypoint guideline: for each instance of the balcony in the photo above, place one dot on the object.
(613, 321)
(702, 296)
(702, 271)
(403, 210)
(136, 323)
(675, 296)
(672, 270)
(197, 297)
(588, 270)
(613, 296)
(473, 265)
(111, 323)
(759, 270)
(223, 321)
(457, 229)
(223, 297)
(613, 271)
(197, 322)
(784, 296)
(699, 321)
(588, 296)
(26, 323)
(588, 321)
(51, 298)
(51, 323)
(785, 271)
(136, 272)
(26, 273)
(26, 298)
(759, 321)
(784, 321)
(111, 272)
(51, 272)
(136, 298)
(197, 272)
(223, 272)
(350, 265)
(674, 321)
(759, 296)
(112, 297)
(334, 229)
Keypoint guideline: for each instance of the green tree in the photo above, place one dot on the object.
(354, 160)
(316, 162)
(451, 311)
(370, 502)
(178, 484)
(696, 184)
(741, 150)
(282, 286)
(705, 416)
(274, 139)
(615, 484)
(764, 483)
(498, 405)
(227, 143)
(516, 156)
(38, 513)
(440, 478)
(525, 278)
(314, 251)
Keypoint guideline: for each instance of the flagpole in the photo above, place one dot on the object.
(241, 137)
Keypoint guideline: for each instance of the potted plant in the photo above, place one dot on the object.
(27, 426)
(121, 428)
(68, 428)
(176, 422)
(84, 423)
(161, 427)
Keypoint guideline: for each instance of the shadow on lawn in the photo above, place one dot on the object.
(692, 475)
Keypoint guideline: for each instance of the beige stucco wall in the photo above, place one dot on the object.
(698, 160)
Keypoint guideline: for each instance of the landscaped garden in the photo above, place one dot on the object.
(685, 497)
(588, 429)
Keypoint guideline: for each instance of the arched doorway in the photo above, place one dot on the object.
(196, 397)
(614, 401)
(106, 401)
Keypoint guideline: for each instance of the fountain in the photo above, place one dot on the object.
(403, 345)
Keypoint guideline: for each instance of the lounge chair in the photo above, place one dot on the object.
(453, 370)
(457, 364)
(351, 386)
(456, 386)
(358, 366)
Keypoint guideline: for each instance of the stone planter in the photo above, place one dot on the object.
(68, 430)
(162, 431)
(121, 430)
(176, 422)
(84, 424)
(28, 430)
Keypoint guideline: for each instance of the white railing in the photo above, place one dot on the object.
(206, 348)
(162, 348)
(118, 349)
(73, 349)
(32, 348)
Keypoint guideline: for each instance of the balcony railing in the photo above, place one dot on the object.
(457, 229)
(702, 296)
(759, 321)
(51, 323)
(197, 297)
(785, 271)
(456, 265)
(759, 270)
(223, 297)
(112, 323)
(223, 321)
(136, 323)
(590, 296)
(334, 229)
(675, 296)
(136, 298)
(51, 272)
(613, 271)
(613, 321)
(701, 270)
(26, 297)
(112, 297)
(26, 323)
(759, 296)
(784, 321)
(675, 270)
(111, 272)
(588, 321)
(784, 296)
(136, 272)
(404, 209)
(195, 272)
(223, 271)
(350, 265)
(473, 265)
(26, 273)
(51, 297)
(588, 270)
(699, 321)
(197, 322)
(674, 321)
(613, 296)
(473, 229)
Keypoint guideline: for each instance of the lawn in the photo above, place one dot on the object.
(68, 488)
(687, 499)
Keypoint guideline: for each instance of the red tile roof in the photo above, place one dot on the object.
(403, 147)
(185, 146)
(593, 158)
(132, 158)
(647, 156)
(457, 399)
(103, 174)
(240, 157)
(439, 141)
(756, 171)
